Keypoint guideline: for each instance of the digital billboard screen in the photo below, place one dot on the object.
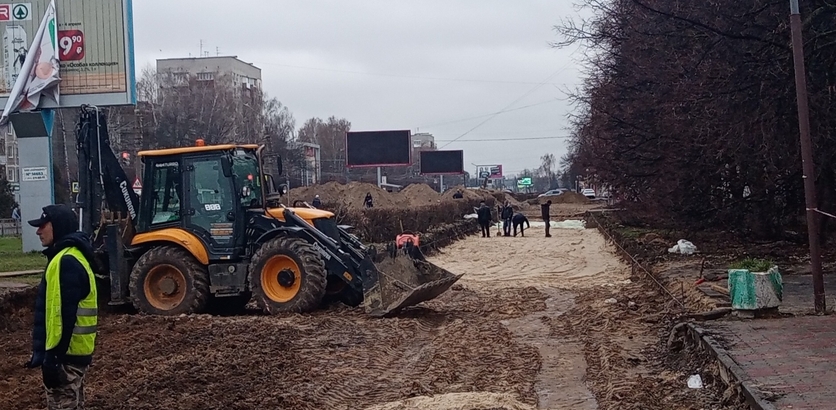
(378, 148)
(442, 162)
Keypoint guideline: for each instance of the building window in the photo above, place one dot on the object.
(11, 175)
(205, 76)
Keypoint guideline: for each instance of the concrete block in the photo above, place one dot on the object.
(755, 290)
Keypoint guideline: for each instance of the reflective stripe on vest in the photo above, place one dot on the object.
(83, 339)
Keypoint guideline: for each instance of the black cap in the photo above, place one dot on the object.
(63, 219)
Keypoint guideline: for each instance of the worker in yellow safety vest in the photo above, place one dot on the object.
(66, 312)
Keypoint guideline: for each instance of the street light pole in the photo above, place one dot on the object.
(808, 168)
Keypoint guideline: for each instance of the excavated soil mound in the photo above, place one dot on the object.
(351, 195)
(467, 194)
(419, 195)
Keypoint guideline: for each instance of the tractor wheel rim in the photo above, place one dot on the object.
(165, 287)
(273, 289)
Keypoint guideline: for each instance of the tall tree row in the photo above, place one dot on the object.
(689, 109)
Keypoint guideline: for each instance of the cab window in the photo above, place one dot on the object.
(166, 193)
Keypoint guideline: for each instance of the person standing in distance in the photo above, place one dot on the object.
(66, 309)
(483, 216)
(317, 203)
(544, 213)
(506, 214)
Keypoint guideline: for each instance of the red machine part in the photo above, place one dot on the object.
(403, 238)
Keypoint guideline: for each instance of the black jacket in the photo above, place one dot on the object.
(507, 212)
(75, 286)
(483, 214)
(544, 211)
(520, 219)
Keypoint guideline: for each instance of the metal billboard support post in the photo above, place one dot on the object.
(34, 131)
(807, 157)
(441, 184)
(378, 177)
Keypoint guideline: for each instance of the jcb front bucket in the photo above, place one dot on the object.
(398, 280)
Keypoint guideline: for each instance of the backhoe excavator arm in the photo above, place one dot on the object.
(104, 189)
(103, 184)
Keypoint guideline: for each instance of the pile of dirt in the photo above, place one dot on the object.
(467, 194)
(504, 196)
(351, 195)
(16, 307)
(419, 195)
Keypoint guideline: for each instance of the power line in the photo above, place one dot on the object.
(487, 115)
(515, 101)
(507, 139)
(411, 77)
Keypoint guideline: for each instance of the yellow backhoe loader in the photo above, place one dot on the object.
(209, 232)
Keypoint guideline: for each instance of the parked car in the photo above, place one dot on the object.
(589, 193)
(552, 192)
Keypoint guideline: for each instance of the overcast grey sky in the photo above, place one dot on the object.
(437, 66)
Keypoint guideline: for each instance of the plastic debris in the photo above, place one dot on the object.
(695, 381)
(611, 301)
(684, 247)
(570, 224)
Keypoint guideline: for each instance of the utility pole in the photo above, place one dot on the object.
(807, 157)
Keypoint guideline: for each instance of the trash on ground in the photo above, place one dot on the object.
(695, 381)
(684, 247)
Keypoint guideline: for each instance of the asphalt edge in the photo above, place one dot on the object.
(730, 372)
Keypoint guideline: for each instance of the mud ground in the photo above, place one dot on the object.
(550, 323)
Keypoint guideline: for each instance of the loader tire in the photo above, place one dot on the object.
(167, 280)
(287, 275)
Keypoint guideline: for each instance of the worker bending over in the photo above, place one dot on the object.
(518, 220)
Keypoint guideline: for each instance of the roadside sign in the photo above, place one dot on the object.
(75, 187)
(137, 186)
(15, 186)
(34, 174)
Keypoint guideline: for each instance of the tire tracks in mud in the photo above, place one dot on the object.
(560, 380)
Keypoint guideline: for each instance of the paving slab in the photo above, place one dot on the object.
(790, 362)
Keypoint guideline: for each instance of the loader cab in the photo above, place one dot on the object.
(204, 191)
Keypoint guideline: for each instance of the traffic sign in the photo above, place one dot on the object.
(137, 186)
(75, 187)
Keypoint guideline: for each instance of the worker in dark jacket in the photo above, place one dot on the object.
(506, 214)
(458, 194)
(544, 213)
(368, 202)
(66, 309)
(483, 216)
(317, 203)
(518, 220)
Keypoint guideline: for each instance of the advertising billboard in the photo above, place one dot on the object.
(489, 171)
(442, 162)
(378, 148)
(95, 49)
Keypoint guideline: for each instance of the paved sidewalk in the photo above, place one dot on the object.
(790, 362)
